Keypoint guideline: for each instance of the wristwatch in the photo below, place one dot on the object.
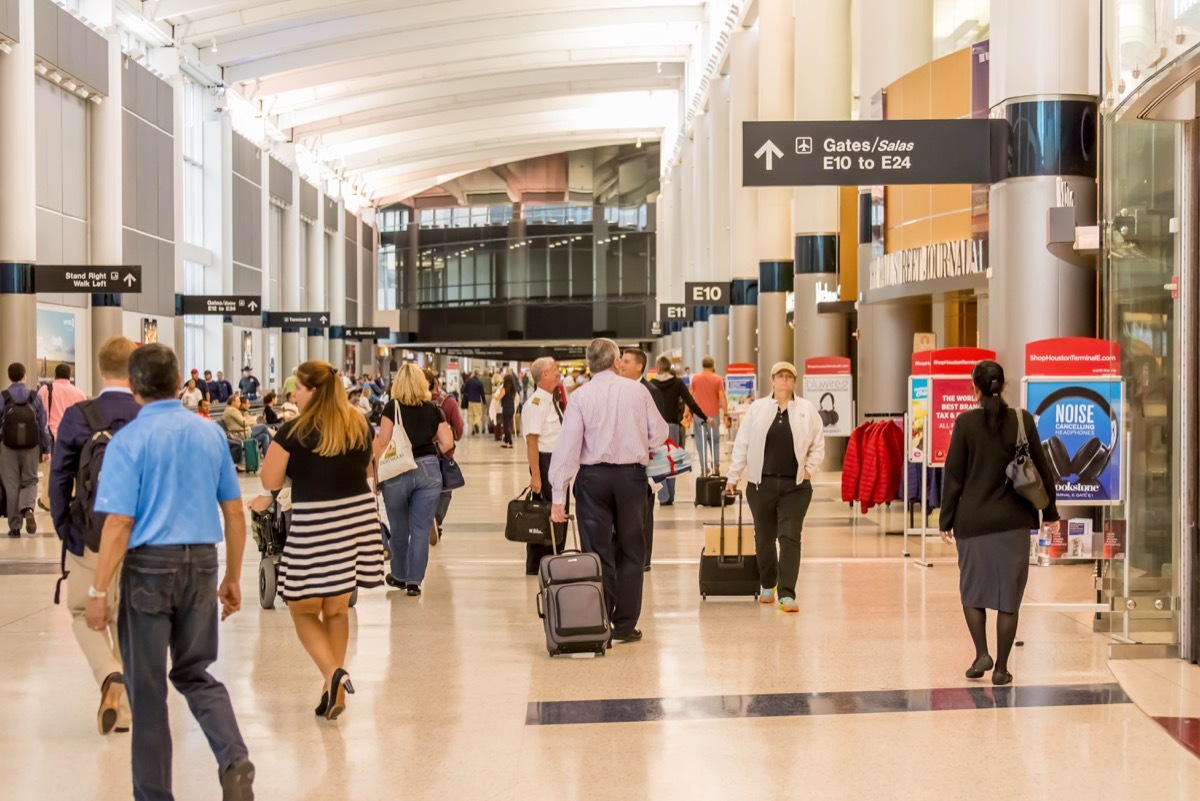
(95, 593)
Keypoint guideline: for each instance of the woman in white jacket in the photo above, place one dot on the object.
(780, 446)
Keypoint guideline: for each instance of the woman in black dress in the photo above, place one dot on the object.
(988, 520)
(508, 407)
(333, 542)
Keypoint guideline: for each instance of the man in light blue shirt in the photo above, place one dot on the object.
(163, 477)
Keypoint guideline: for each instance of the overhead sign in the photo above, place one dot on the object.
(223, 305)
(85, 279)
(706, 293)
(827, 384)
(668, 312)
(352, 332)
(874, 152)
(315, 319)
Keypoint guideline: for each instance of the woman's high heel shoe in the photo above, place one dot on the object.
(323, 706)
(338, 688)
(982, 665)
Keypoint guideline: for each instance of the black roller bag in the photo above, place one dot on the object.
(710, 489)
(571, 602)
(729, 572)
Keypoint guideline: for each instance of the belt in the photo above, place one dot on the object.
(199, 546)
(792, 477)
(611, 464)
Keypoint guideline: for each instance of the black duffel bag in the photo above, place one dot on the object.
(528, 520)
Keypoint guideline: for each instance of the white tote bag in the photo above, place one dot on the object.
(397, 458)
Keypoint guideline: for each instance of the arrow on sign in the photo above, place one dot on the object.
(253, 306)
(129, 279)
(324, 319)
(771, 151)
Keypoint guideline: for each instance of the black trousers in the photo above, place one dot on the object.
(648, 525)
(535, 552)
(778, 506)
(507, 419)
(609, 501)
(169, 603)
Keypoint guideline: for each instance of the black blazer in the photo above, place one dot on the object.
(73, 433)
(976, 496)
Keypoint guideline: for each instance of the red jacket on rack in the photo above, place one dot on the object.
(891, 455)
(851, 467)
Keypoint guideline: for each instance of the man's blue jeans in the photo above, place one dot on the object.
(667, 493)
(411, 500)
(169, 604)
(702, 444)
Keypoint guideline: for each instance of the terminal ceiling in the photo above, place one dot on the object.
(406, 95)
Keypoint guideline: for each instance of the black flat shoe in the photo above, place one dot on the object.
(981, 665)
(392, 581)
(339, 687)
(322, 707)
(629, 636)
(15, 533)
(1001, 677)
(414, 590)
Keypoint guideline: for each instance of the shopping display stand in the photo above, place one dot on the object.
(741, 389)
(940, 389)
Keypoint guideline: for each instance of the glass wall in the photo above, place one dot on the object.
(1142, 166)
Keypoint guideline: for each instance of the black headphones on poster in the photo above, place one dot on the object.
(829, 417)
(1090, 461)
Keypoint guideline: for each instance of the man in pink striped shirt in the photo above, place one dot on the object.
(56, 398)
(608, 429)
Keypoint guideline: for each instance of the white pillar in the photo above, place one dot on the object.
(105, 223)
(719, 195)
(289, 274)
(743, 106)
(317, 298)
(18, 194)
(337, 288)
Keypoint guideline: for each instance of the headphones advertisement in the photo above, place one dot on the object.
(828, 385)
(1079, 423)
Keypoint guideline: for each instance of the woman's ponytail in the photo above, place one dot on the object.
(989, 380)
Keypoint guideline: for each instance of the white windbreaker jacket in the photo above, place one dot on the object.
(807, 433)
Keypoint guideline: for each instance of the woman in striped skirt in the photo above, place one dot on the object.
(333, 543)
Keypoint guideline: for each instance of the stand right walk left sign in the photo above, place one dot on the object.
(1073, 388)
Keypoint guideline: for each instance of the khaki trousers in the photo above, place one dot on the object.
(475, 413)
(100, 648)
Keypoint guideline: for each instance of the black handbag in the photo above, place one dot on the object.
(1023, 474)
(528, 520)
(452, 477)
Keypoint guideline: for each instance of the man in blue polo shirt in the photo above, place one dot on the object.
(164, 476)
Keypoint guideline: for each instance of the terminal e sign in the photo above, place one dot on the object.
(875, 152)
(706, 293)
(674, 312)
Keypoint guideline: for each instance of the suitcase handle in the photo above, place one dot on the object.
(554, 540)
(541, 612)
(721, 550)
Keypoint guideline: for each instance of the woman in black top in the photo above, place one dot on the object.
(271, 416)
(333, 540)
(988, 520)
(508, 408)
(411, 498)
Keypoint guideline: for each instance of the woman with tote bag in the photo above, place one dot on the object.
(410, 476)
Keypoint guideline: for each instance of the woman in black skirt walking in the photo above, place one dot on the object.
(988, 520)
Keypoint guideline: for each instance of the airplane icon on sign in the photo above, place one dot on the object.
(804, 145)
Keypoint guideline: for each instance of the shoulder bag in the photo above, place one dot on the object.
(1022, 473)
(397, 458)
(528, 520)
(452, 477)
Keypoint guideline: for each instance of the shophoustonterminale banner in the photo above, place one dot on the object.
(928, 263)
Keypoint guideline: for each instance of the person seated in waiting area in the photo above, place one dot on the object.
(203, 409)
(288, 410)
(191, 396)
(269, 413)
(241, 425)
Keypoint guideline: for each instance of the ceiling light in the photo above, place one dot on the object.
(95, 99)
(6, 47)
(660, 68)
(54, 76)
(41, 68)
(84, 93)
(214, 45)
(71, 85)
(639, 142)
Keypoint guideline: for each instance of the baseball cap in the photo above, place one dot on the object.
(779, 367)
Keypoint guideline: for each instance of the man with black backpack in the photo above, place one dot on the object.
(83, 435)
(24, 440)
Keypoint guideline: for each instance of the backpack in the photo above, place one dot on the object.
(86, 520)
(20, 428)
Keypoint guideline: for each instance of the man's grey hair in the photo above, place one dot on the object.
(540, 367)
(602, 354)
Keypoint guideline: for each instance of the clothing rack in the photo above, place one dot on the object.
(900, 419)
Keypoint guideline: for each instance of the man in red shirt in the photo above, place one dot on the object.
(708, 389)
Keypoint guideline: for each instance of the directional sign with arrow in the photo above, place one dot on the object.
(772, 152)
(88, 279)
(355, 332)
(223, 305)
(306, 319)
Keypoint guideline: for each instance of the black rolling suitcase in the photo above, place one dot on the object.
(726, 573)
(571, 602)
(710, 489)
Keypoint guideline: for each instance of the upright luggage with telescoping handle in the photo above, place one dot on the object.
(710, 488)
(571, 602)
(729, 568)
(250, 454)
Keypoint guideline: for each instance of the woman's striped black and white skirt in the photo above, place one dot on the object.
(332, 547)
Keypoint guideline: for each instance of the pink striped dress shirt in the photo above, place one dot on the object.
(609, 420)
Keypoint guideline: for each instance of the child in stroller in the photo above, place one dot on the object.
(270, 515)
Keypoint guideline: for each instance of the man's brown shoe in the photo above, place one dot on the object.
(110, 702)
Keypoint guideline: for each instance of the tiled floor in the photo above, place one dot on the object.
(450, 683)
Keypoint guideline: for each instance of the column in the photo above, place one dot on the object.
(720, 159)
(743, 230)
(776, 79)
(688, 346)
(231, 349)
(1032, 294)
(337, 290)
(895, 38)
(317, 298)
(105, 228)
(822, 48)
(685, 264)
(18, 193)
(289, 276)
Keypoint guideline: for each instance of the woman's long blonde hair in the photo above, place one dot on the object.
(338, 426)
(410, 386)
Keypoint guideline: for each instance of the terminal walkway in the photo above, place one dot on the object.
(859, 696)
